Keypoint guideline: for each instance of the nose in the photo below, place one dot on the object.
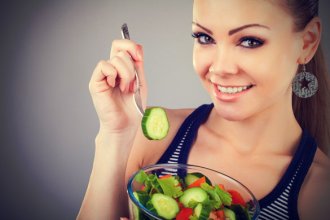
(224, 61)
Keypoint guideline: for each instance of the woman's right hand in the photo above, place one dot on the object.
(112, 85)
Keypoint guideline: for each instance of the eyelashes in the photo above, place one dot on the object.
(249, 42)
(203, 38)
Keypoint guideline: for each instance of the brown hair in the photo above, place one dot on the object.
(312, 113)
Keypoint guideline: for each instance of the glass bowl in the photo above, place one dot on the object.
(138, 211)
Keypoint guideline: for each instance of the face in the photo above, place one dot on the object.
(252, 51)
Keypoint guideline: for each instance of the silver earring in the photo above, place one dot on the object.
(304, 84)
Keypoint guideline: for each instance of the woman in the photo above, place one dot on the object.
(247, 54)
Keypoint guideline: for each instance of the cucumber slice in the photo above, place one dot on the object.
(202, 212)
(230, 214)
(165, 206)
(191, 197)
(155, 124)
(192, 177)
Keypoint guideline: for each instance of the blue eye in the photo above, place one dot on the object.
(203, 38)
(251, 42)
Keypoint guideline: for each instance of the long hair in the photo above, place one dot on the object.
(312, 113)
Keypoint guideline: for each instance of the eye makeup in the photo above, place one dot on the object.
(250, 42)
(203, 38)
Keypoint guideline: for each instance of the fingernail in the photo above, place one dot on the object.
(132, 86)
(139, 52)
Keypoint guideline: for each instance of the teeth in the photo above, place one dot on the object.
(232, 90)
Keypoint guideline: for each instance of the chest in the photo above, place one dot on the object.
(260, 173)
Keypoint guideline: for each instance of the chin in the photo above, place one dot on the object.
(232, 117)
(230, 114)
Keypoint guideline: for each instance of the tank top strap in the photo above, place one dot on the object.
(283, 199)
(178, 150)
(303, 161)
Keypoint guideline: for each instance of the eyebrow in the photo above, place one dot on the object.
(233, 31)
(204, 28)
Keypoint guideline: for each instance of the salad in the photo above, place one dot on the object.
(190, 197)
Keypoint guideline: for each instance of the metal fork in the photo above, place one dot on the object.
(137, 92)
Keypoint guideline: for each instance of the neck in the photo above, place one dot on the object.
(275, 130)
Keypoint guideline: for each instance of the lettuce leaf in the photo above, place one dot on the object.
(171, 186)
(141, 177)
(218, 197)
(150, 182)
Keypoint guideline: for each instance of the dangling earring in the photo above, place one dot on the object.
(304, 84)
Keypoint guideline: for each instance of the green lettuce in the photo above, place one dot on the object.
(171, 186)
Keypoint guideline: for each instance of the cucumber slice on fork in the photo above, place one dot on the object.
(155, 124)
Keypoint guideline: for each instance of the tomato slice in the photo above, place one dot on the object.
(236, 197)
(184, 214)
(221, 214)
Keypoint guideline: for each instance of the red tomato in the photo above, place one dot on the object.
(221, 214)
(217, 215)
(236, 197)
(184, 214)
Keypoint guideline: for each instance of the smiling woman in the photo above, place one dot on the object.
(309, 112)
(246, 55)
(48, 51)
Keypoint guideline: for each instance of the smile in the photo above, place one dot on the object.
(233, 89)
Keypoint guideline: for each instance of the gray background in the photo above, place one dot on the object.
(48, 124)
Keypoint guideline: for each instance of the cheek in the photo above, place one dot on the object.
(283, 61)
(283, 67)
(271, 65)
(201, 61)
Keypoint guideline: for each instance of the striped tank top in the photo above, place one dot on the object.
(282, 201)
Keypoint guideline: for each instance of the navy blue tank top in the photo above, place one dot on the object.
(282, 201)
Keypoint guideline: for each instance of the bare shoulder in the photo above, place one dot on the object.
(315, 193)
(145, 152)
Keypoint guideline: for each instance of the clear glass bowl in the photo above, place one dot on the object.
(181, 169)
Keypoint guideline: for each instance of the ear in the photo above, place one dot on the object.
(311, 37)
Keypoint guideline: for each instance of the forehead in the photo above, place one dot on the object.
(236, 12)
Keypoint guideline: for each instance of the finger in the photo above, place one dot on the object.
(133, 49)
(135, 66)
(131, 66)
(103, 70)
(103, 77)
(125, 71)
(143, 83)
(127, 59)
